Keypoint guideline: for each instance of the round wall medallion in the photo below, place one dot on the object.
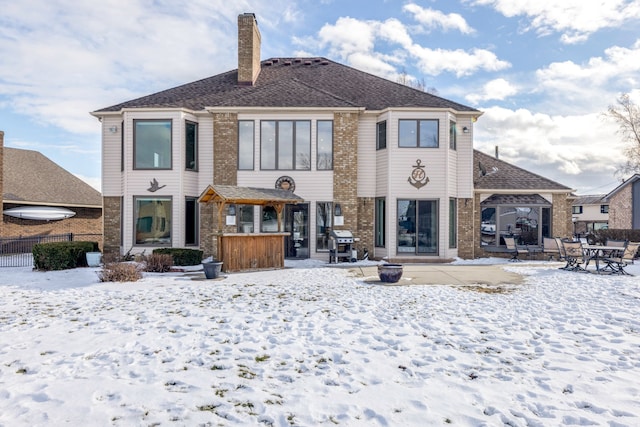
(286, 183)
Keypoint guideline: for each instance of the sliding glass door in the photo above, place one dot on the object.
(417, 227)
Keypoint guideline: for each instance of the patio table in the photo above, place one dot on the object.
(597, 253)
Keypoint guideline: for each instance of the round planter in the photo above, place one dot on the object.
(212, 269)
(390, 273)
(93, 259)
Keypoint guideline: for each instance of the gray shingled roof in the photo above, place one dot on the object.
(248, 195)
(31, 178)
(592, 199)
(500, 175)
(294, 82)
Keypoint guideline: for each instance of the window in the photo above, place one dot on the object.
(453, 223)
(604, 209)
(577, 209)
(418, 133)
(417, 227)
(324, 145)
(245, 218)
(269, 223)
(285, 145)
(191, 146)
(191, 221)
(380, 222)
(453, 136)
(381, 135)
(527, 224)
(324, 220)
(245, 144)
(153, 220)
(122, 146)
(152, 144)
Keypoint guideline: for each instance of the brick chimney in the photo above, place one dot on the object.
(248, 49)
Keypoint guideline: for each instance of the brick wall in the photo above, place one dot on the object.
(111, 219)
(621, 209)
(561, 216)
(466, 226)
(225, 148)
(1, 182)
(366, 225)
(345, 169)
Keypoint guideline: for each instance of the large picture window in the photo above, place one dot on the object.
(153, 220)
(191, 146)
(285, 145)
(527, 224)
(152, 144)
(245, 144)
(418, 133)
(325, 145)
(324, 221)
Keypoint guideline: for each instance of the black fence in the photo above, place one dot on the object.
(17, 251)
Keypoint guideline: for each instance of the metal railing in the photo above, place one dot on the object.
(17, 251)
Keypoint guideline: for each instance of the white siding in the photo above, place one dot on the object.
(112, 176)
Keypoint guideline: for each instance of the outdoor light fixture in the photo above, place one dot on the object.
(113, 129)
(465, 130)
(338, 210)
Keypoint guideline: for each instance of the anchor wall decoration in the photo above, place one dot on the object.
(418, 176)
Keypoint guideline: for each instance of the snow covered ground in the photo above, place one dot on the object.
(310, 345)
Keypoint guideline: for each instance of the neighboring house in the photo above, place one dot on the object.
(35, 191)
(590, 213)
(510, 201)
(624, 204)
(392, 164)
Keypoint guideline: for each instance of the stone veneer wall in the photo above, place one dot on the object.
(621, 209)
(248, 49)
(366, 225)
(345, 168)
(112, 224)
(561, 213)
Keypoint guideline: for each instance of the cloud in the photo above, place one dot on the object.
(433, 19)
(350, 36)
(579, 151)
(576, 20)
(498, 89)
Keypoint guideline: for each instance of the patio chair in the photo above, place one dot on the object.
(563, 255)
(550, 247)
(617, 264)
(620, 243)
(574, 256)
(513, 249)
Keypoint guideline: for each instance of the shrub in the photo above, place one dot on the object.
(182, 256)
(120, 272)
(61, 255)
(158, 263)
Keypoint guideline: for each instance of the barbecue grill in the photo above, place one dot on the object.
(341, 246)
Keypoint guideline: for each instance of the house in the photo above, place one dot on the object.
(590, 213)
(624, 204)
(511, 201)
(389, 163)
(41, 198)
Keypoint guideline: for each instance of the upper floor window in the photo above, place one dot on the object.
(191, 146)
(418, 133)
(325, 145)
(381, 135)
(604, 209)
(285, 144)
(152, 144)
(245, 144)
(453, 136)
(577, 209)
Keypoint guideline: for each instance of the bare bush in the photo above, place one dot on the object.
(158, 263)
(120, 272)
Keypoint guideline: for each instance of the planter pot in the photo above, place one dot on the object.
(212, 269)
(93, 259)
(390, 273)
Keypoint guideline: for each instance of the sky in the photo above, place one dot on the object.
(543, 73)
(320, 346)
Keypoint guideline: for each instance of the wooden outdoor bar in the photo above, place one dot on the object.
(249, 251)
